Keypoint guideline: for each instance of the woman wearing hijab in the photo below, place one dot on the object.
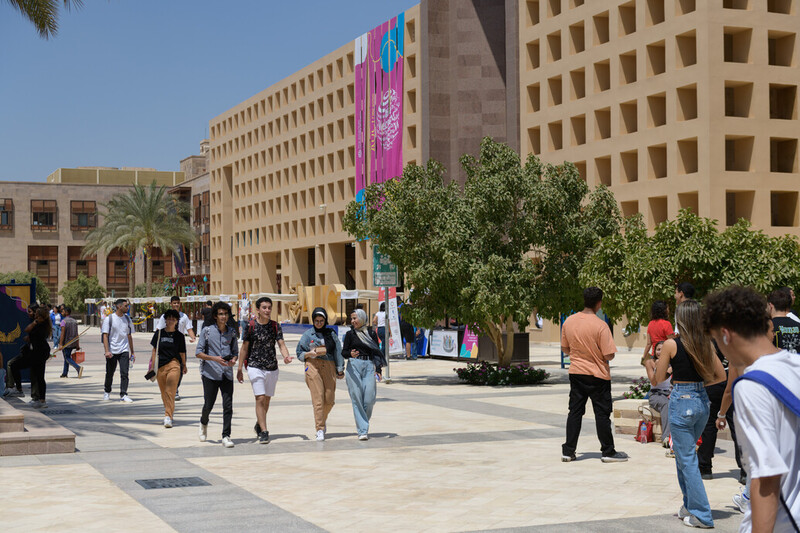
(361, 348)
(319, 348)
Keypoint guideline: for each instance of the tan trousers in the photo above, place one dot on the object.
(321, 381)
(168, 377)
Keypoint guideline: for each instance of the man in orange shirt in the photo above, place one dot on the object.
(588, 342)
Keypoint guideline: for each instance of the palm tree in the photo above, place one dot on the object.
(111, 235)
(43, 13)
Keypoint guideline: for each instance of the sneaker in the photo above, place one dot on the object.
(568, 458)
(42, 404)
(693, 521)
(683, 512)
(80, 372)
(227, 442)
(263, 437)
(618, 457)
(363, 437)
(320, 435)
(6, 392)
(257, 429)
(706, 475)
(33, 403)
(742, 502)
(177, 397)
(16, 392)
(126, 399)
(62, 376)
(167, 422)
(106, 396)
(202, 433)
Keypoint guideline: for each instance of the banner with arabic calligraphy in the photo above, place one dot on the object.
(379, 104)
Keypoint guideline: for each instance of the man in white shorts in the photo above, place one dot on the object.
(184, 326)
(258, 354)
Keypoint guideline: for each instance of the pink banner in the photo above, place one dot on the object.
(469, 346)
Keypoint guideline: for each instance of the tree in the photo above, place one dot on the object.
(112, 234)
(144, 218)
(634, 268)
(82, 287)
(43, 13)
(487, 255)
(42, 292)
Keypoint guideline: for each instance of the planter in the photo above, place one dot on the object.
(488, 352)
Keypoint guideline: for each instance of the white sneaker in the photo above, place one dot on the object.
(202, 434)
(126, 399)
(227, 442)
(320, 435)
(742, 502)
(106, 396)
(363, 437)
(167, 422)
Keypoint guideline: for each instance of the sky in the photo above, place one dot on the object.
(135, 83)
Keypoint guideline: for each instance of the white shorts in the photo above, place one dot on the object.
(263, 381)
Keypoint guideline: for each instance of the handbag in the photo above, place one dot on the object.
(79, 357)
(644, 433)
(151, 373)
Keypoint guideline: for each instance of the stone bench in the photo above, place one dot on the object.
(26, 431)
(627, 418)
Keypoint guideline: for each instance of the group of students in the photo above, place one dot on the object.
(762, 381)
(218, 349)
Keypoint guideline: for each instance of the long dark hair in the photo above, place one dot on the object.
(695, 339)
(658, 310)
(45, 325)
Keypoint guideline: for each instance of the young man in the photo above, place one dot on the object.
(258, 351)
(117, 334)
(588, 342)
(767, 407)
(184, 326)
(218, 349)
(683, 291)
(69, 331)
(206, 312)
(786, 330)
(791, 314)
(55, 321)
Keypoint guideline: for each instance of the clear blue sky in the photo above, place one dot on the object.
(134, 83)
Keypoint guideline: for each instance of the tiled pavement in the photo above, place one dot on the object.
(442, 457)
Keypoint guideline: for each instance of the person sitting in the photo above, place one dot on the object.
(659, 393)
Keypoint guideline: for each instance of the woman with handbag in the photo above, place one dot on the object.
(361, 349)
(169, 353)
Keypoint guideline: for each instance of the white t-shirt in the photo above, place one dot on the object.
(381, 316)
(184, 324)
(121, 327)
(793, 316)
(769, 432)
(244, 310)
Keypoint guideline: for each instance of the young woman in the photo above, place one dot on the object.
(319, 348)
(39, 331)
(659, 328)
(379, 321)
(659, 392)
(169, 357)
(694, 365)
(365, 360)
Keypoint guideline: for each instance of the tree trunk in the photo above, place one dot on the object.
(509, 353)
(496, 335)
(131, 276)
(149, 277)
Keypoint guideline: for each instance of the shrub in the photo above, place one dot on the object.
(483, 373)
(638, 390)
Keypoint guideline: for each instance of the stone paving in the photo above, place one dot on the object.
(442, 456)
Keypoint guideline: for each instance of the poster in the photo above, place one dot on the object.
(469, 346)
(444, 342)
(378, 74)
(396, 346)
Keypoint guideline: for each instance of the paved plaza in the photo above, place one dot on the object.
(442, 456)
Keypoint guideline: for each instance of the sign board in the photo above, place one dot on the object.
(469, 346)
(384, 272)
(396, 346)
(444, 343)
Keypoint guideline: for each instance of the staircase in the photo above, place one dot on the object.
(27, 431)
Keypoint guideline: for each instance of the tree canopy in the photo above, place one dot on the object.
(43, 14)
(513, 241)
(75, 291)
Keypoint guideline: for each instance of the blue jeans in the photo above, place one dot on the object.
(69, 361)
(688, 413)
(56, 334)
(360, 377)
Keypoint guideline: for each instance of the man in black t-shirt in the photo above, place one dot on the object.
(206, 312)
(785, 330)
(258, 352)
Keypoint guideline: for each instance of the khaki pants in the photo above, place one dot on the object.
(321, 381)
(168, 377)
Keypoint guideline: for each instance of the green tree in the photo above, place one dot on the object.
(75, 291)
(634, 268)
(485, 255)
(112, 234)
(19, 276)
(43, 13)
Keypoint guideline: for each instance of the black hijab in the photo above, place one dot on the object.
(326, 332)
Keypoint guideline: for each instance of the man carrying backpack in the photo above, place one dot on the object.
(767, 408)
(117, 335)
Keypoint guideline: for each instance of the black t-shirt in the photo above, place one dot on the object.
(206, 312)
(261, 348)
(170, 347)
(787, 333)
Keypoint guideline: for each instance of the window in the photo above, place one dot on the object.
(6, 213)
(79, 265)
(196, 210)
(44, 215)
(43, 262)
(206, 253)
(83, 215)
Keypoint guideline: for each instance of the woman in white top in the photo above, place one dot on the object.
(379, 321)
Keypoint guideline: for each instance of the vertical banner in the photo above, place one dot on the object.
(469, 346)
(396, 346)
(378, 73)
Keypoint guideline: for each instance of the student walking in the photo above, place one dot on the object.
(69, 331)
(319, 348)
(588, 342)
(258, 353)
(169, 358)
(117, 334)
(694, 366)
(365, 360)
(184, 326)
(218, 349)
